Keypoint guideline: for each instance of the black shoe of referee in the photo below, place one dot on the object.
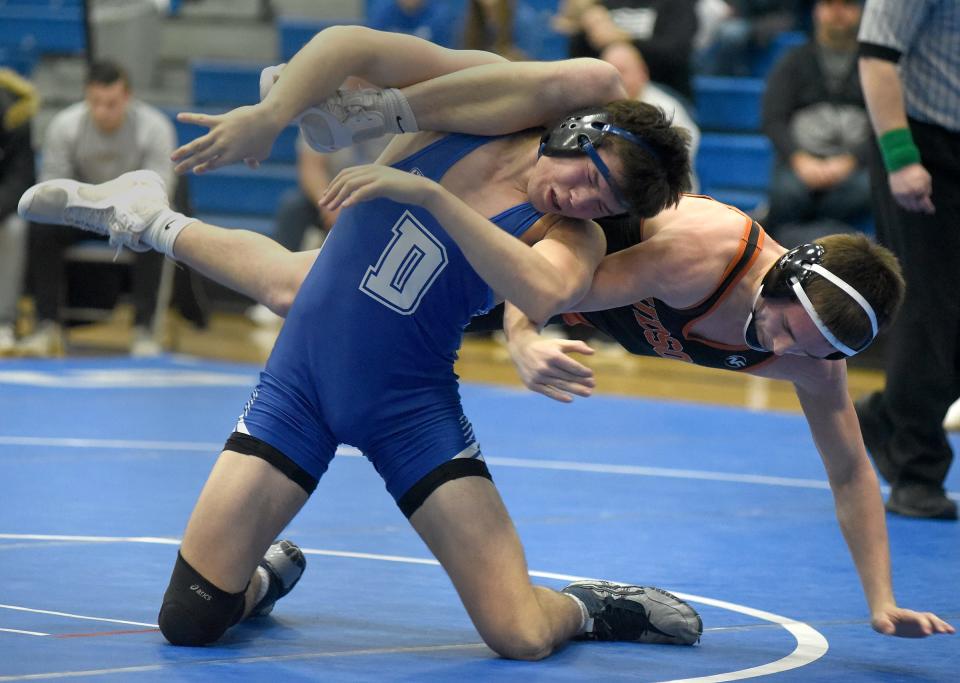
(635, 614)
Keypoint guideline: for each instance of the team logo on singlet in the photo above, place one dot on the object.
(735, 361)
(658, 337)
(408, 266)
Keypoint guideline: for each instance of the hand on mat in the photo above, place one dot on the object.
(243, 134)
(545, 367)
(371, 181)
(905, 623)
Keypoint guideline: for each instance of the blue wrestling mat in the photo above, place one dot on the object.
(101, 462)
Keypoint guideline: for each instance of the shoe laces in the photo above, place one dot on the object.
(347, 104)
(621, 615)
(117, 225)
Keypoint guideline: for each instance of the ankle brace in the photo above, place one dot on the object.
(397, 113)
(164, 230)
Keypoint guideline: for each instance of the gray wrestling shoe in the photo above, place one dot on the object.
(636, 614)
(345, 118)
(122, 209)
(284, 563)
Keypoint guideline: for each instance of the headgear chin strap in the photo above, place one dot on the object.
(786, 280)
(581, 133)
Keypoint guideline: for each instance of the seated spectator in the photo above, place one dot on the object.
(108, 133)
(18, 104)
(636, 80)
(663, 31)
(746, 27)
(433, 20)
(814, 114)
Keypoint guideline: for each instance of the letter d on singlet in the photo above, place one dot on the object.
(407, 267)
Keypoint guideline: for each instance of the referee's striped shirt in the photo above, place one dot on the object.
(923, 36)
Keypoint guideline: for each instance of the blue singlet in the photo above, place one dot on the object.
(367, 351)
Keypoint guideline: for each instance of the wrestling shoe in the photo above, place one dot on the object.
(283, 564)
(123, 209)
(348, 116)
(635, 614)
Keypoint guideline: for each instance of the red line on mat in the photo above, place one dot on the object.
(105, 633)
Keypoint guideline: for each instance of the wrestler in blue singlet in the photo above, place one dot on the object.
(367, 351)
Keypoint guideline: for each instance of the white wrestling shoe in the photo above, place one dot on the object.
(349, 116)
(132, 209)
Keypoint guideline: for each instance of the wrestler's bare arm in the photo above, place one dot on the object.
(821, 386)
(499, 97)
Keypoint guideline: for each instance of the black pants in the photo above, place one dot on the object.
(923, 350)
(47, 275)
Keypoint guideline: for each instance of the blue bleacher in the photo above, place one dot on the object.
(223, 83)
(735, 168)
(734, 159)
(43, 26)
(726, 103)
(240, 190)
(20, 60)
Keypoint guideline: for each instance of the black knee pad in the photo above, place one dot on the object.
(194, 611)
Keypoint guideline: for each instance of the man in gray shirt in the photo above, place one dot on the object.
(108, 133)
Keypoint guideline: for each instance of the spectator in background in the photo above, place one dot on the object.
(814, 114)
(663, 31)
(108, 133)
(433, 20)
(636, 81)
(746, 27)
(18, 104)
(909, 66)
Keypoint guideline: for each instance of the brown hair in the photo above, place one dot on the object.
(106, 72)
(870, 269)
(651, 182)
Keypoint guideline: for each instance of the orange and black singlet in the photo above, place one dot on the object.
(652, 328)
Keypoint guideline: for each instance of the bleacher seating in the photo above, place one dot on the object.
(734, 159)
(225, 84)
(45, 27)
(21, 60)
(735, 168)
(725, 103)
(238, 190)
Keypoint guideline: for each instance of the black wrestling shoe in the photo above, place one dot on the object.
(636, 614)
(284, 564)
(921, 500)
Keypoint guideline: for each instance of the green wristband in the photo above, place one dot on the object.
(898, 149)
